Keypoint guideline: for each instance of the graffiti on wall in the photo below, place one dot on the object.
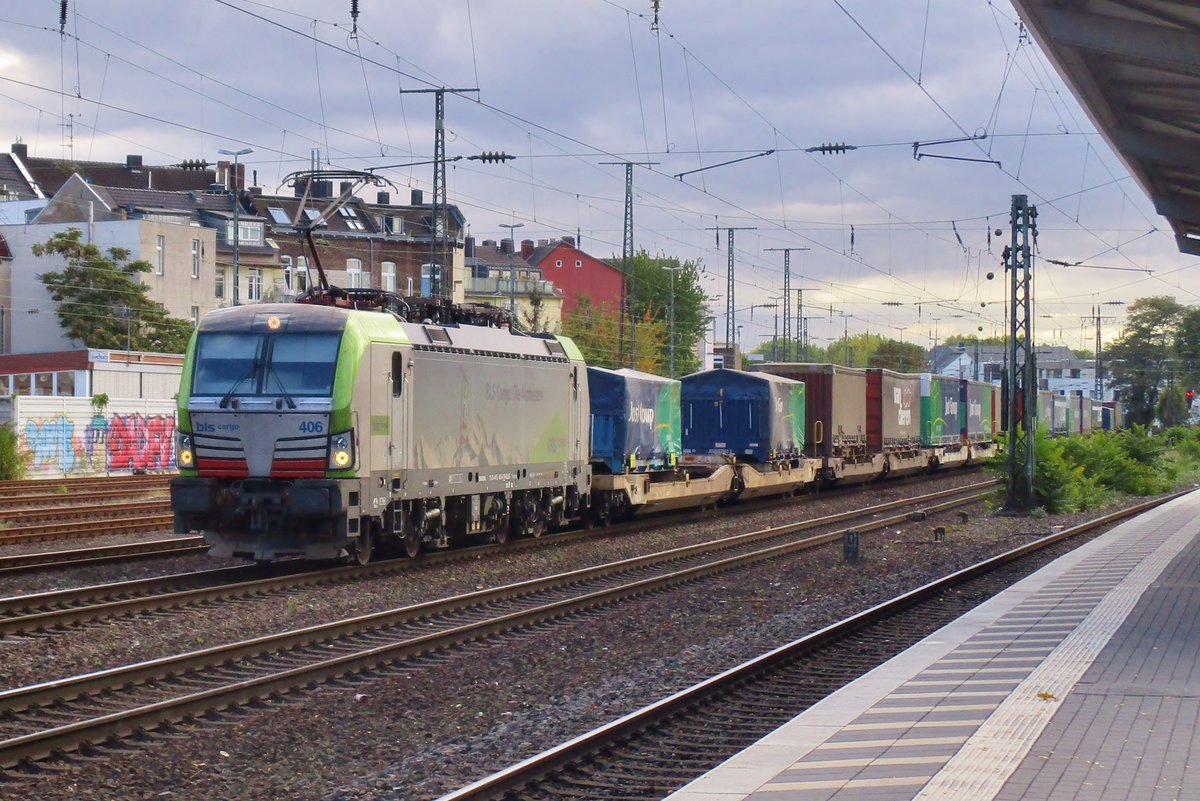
(61, 444)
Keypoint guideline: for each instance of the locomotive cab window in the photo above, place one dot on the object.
(397, 373)
(273, 365)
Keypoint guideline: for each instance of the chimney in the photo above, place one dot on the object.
(133, 162)
(489, 243)
(418, 199)
(526, 248)
(506, 246)
(344, 187)
(469, 247)
(569, 241)
(322, 189)
(20, 150)
(383, 198)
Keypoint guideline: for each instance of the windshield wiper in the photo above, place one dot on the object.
(237, 384)
(287, 396)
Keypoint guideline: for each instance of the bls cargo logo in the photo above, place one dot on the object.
(975, 409)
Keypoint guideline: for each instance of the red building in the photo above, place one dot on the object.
(576, 273)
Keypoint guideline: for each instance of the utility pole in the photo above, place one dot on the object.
(787, 294)
(628, 297)
(846, 334)
(1098, 388)
(775, 336)
(730, 326)
(1022, 368)
(437, 240)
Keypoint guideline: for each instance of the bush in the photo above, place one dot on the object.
(14, 462)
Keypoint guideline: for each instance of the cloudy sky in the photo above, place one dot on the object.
(896, 245)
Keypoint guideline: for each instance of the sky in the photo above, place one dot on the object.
(896, 245)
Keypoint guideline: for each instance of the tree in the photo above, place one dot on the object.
(535, 320)
(1187, 348)
(594, 332)
(1172, 407)
(902, 356)
(102, 304)
(1140, 359)
(650, 282)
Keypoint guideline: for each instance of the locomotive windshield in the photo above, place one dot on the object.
(279, 364)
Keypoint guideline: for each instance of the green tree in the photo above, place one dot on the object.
(1141, 361)
(102, 304)
(1172, 406)
(1187, 348)
(902, 356)
(650, 283)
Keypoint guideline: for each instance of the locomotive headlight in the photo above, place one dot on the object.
(185, 455)
(341, 450)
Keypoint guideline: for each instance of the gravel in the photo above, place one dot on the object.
(422, 730)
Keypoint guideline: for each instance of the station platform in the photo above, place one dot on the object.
(1082, 681)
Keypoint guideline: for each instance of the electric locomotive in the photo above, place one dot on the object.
(320, 431)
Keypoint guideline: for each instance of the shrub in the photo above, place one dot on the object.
(14, 461)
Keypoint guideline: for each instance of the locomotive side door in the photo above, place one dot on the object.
(399, 397)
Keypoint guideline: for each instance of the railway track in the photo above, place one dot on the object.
(100, 554)
(56, 610)
(654, 751)
(65, 486)
(70, 713)
(78, 529)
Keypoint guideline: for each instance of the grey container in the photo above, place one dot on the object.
(835, 403)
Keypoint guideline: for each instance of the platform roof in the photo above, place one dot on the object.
(1134, 65)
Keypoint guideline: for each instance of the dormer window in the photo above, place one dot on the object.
(350, 217)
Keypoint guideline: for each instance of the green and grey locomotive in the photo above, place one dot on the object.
(320, 431)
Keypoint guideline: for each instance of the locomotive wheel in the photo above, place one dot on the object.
(412, 541)
(362, 551)
(500, 533)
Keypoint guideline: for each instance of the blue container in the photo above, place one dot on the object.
(756, 417)
(635, 420)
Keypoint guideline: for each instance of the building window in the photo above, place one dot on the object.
(286, 263)
(391, 225)
(350, 217)
(195, 315)
(579, 262)
(388, 276)
(64, 383)
(249, 233)
(279, 216)
(219, 286)
(254, 284)
(160, 253)
(354, 270)
(21, 384)
(558, 262)
(195, 258)
(409, 290)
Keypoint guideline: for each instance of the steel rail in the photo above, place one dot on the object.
(83, 496)
(63, 486)
(12, 517)
(581, 748)
(65, 531)
(60, 608)
(99, 554)
(328, 639)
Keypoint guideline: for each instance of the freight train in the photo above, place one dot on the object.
(321, 432)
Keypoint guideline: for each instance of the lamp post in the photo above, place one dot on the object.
(512, 269)
(236, 204)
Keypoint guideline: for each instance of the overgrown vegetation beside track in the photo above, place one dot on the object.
(14, 462)
(1077, 473)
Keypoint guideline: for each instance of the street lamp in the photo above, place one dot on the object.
(512, 270)
(237, 234)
